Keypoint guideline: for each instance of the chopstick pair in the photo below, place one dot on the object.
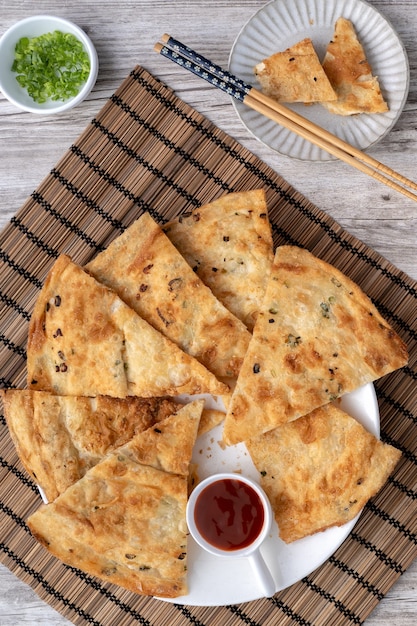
(222, 79)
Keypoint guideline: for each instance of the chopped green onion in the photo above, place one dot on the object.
(53, 66)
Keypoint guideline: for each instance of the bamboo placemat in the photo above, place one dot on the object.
(149, 151)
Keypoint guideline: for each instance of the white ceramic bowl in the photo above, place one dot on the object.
(33, 27)
(263, 502)
(262, 574)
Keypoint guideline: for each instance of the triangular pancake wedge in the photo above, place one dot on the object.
(317, 337)
(58, 438)
(228, 243)
(154, 279)
(168, 445)
(124, 521)
(85, 341)
(320, 470)
(350, 74)
(295, 75)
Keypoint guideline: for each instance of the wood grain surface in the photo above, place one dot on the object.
(124, 35)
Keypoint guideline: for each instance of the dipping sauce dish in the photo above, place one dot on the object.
(230, 516)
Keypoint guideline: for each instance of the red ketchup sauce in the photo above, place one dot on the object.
(229, 514)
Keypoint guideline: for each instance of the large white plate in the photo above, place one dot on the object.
(282, 23)
(214, 581)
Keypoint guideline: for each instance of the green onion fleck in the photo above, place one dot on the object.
(53, 66)
(325, 309)
(293, 341)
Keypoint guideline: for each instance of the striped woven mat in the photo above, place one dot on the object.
(148, 151)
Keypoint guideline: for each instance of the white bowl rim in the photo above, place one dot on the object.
(192, 527)
(51, 108)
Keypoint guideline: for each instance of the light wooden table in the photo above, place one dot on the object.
(124, 34)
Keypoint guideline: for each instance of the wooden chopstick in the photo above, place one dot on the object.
(256, 100)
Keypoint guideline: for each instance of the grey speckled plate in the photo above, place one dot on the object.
(282, 23)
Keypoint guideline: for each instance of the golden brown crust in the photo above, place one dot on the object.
(84, 340)
(124, 521)
(320, 470)
(209, 419)
(153, 278)
(168, 444)
(295, 75)
(228, 243)
(350, 74)
(58, 438)
(318, 336)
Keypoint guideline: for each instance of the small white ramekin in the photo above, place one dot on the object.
(252, 551)
(34, 27)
